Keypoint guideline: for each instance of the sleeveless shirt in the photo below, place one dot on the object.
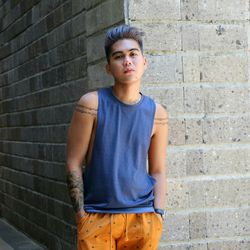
(116, 179)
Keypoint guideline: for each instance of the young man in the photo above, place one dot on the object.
(119, 204)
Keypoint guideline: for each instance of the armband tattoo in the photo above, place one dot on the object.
(161, 121)
(85, 110)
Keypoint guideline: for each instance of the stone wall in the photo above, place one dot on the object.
(198, 55)
(51, 53)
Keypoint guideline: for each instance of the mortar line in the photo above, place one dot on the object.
(209, 177)
(33, 159)
(47, 69)
(204, 241)
(207, 210)
(43, 108)
(34, 176)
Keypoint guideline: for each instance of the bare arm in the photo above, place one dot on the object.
(157, 156)
(79, 135)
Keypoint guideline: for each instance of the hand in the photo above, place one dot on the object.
(79, 215)
(161, 217)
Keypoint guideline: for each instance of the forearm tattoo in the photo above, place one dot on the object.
(75, 187)
(161, 121)
(85, 110)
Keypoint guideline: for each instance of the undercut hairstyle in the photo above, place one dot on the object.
(119, 33)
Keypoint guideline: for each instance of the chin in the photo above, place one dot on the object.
(127, 80)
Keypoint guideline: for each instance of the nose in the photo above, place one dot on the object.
(127, 60)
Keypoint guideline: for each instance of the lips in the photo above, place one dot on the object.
(128, 71)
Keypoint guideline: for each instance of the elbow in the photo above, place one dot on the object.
(158, 173)
(72, 164)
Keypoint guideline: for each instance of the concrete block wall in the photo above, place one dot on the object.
(198, 54)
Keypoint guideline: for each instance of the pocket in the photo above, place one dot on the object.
(83, 217)
(159, 218)
(152, 226)
(157, 226)
(82, 220)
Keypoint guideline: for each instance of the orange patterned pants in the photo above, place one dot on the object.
(102, 231)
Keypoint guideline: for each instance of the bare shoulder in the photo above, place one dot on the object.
(89, 99)
(161, 115)
(88, 103)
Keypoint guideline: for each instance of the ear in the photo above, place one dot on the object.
(108, 69)
(145, 63)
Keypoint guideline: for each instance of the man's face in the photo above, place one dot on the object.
(127, 64)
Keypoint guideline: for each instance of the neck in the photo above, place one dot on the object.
(127, 94)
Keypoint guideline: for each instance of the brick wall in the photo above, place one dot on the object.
(199, 69)
(97, 23)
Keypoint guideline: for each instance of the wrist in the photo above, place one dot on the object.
(81, 213)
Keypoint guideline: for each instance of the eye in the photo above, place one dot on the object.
(133, 54)
(118, 56)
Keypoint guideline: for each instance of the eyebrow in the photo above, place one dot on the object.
(121, 52)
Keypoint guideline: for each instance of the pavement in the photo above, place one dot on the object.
(12, 239)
